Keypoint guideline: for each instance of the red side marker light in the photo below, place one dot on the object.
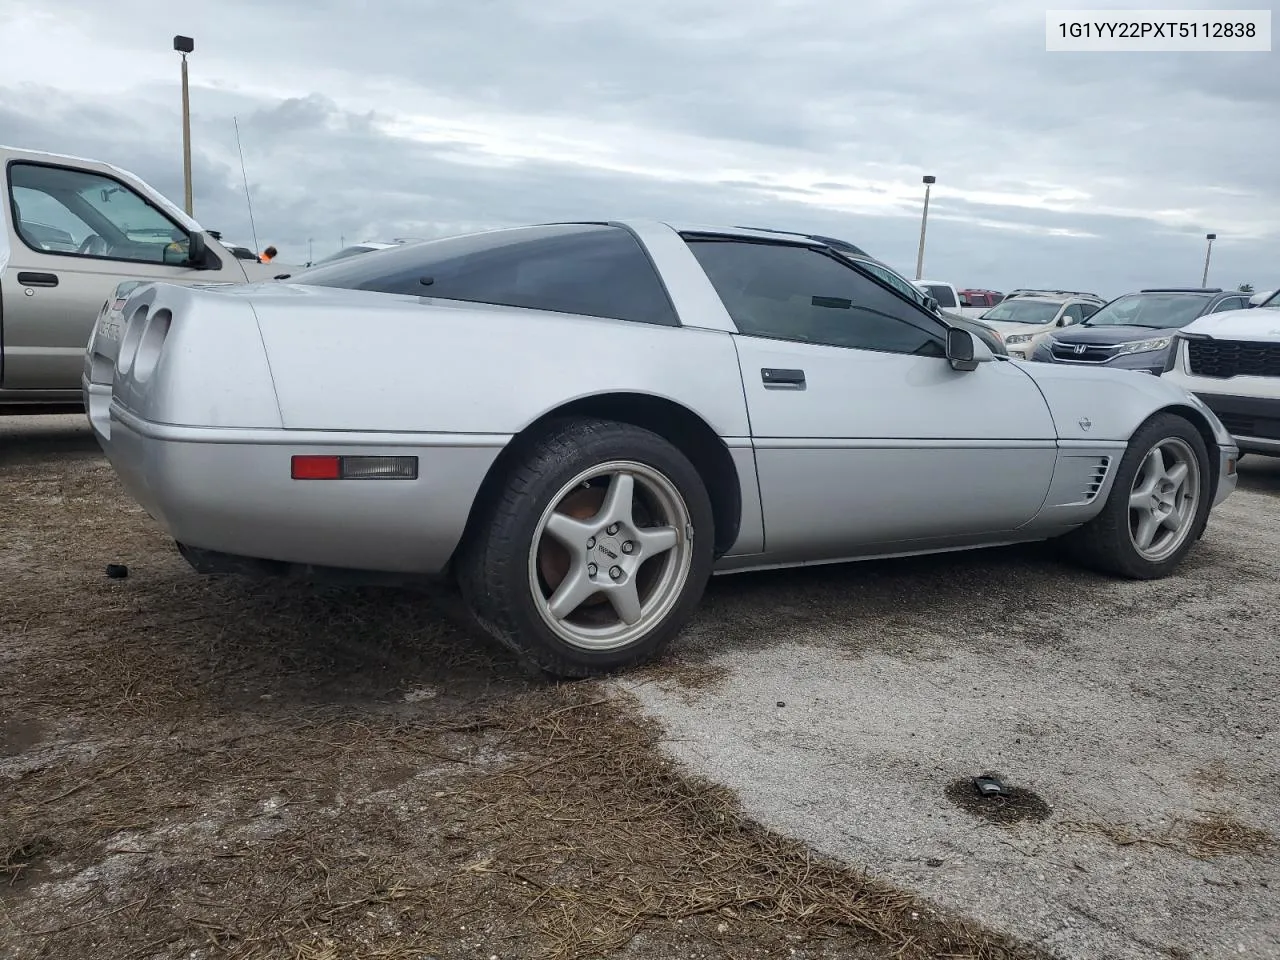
(313, 467)
(316, 468)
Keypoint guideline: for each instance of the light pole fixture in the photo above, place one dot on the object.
(185, 45)
(924, 220)
(1204, 281)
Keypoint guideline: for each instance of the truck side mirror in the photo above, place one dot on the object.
(198, 252)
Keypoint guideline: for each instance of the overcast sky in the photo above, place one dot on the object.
(415, 118)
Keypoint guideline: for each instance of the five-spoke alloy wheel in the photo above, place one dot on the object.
(1164, 498)
(1158, 505)
(610, 555)
(594, 552)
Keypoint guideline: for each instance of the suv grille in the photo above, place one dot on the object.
(1243, 425)
(1091, 353)
(1233, 358)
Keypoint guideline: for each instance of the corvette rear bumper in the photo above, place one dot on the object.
(230, 491)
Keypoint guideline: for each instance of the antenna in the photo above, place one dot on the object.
(253, 229)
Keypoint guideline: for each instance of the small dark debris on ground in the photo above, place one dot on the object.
(1008, 805)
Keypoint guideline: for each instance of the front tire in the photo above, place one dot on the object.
(594, 552)
(1158, 506)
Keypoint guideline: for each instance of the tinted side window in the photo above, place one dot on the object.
(589, 269)
(1230, 303)
(797, 293)
(73, 212)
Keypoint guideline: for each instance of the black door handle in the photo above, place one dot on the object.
(38, 279)
(777, 376)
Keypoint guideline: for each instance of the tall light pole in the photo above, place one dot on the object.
(924, 220)
(1204, 281)
(185, 45)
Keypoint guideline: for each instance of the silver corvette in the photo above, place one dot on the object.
(580, 423)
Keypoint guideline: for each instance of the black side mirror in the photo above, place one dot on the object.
(197, 252)
(960, 349)
(931, 304)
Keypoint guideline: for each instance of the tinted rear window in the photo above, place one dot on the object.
(588, 269)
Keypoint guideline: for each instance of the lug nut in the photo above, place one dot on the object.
(591, 569)
(615, 572)
(628, 547)
(591, 542)
(613, 528)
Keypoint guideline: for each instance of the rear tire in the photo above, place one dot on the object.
(594, 552)
(1158, 505)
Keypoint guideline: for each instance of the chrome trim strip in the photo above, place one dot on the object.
(862, 443)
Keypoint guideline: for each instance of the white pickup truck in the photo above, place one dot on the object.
(71, 230)
(949, 298)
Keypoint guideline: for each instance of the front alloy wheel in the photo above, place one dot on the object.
(1163, 499)
(1157, 507)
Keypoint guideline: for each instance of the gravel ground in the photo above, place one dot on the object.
(841, 704)
(220, 769)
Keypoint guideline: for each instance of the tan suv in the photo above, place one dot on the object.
(70, 231)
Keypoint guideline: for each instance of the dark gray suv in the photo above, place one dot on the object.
(1136, 331)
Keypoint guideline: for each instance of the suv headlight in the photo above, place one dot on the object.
(1020, 338)
(1145, 346)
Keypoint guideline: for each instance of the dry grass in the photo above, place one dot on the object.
(261, 770)
(1217, 834)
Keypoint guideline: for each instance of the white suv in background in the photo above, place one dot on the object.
(1231, 361)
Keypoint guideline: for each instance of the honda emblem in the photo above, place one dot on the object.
(1080, 348)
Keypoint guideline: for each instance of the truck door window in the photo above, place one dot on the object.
(72, 212)
(946, 299)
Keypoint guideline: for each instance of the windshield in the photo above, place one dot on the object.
(1023, 311)
(941, 293)
(1159, 311)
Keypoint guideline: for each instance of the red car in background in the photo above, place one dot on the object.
(980, 298)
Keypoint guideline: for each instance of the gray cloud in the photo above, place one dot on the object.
(809, 93)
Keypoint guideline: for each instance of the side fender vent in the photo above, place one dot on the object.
(1079, 478)
(1096, 477)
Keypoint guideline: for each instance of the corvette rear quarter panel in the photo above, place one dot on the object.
(411, 364)
(189, 357)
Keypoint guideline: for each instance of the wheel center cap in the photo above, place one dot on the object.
(609, 549)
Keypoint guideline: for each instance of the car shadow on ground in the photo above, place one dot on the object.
(1260, 474)
(38, 438)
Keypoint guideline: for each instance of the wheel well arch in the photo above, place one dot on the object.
(1197, 419)
(677, 424)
